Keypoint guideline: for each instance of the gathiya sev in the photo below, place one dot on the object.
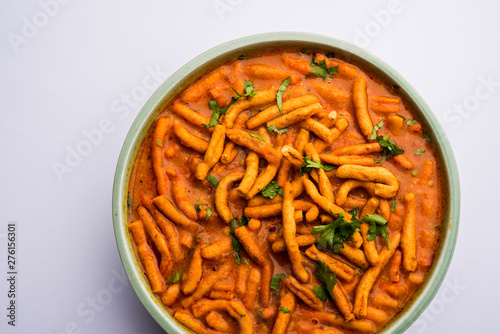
(286, 192)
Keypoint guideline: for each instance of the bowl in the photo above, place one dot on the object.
(231, 50)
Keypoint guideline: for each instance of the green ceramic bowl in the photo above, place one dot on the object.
(231, 50)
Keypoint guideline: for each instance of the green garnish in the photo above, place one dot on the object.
(410, 122)
(197, 207)
(419, 151)
(327, 277)
(321, 70)
(248, 89)
(242, 57)
(209, 213)
(414, 172)
(309, 164)
(426, 136)
(271, 190)
(376, 127)
(243, 315)
(275, 281)
(279, 95)
(378, 226)
(236, 243)
(284, 309)
(256, 136)
(212, 180)
(159, 143)
(321, 292)
(389, 147)
(393, 206)
(273, 128)
(175, 278)
(336, 233)
(217, 111)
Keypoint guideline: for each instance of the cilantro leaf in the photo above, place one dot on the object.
(175, 278)
(275, 281)
(279, 95)
(284, 309)
(326, 276)
(410, 122)
(378, 226)
(242, 57)
(419, 151)
(309, 164)
(354, 211)
(389, 147)
(256, 136)
(248, 89)
(376, 127)
(159, 143)
(197, 207)
(393, 206)
(212, 180)
(271, 190)
(209, 213)
(216, 112)
(426, 136)
(414, 172)
(321, 292)
(236, 243)
(321, 70)
(336, 233)
(273, 128)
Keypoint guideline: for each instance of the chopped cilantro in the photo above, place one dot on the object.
(419, 151)
(236, 243)
(273, 128)
(175, 278)
(389, 147)
(275, 281)
(336, 233)
(197, 207)
(410, 122)
(284, 309)
(309, 164)
(321, 292)
(216, 113)
(271, 190)
(242, 57)
(393, 206)
(159, 143)
(248, 89)
(327, 277)
(212, 180)
(243, 315)
(414, 172)
(209, 213)
(376, 127)
(256, 136)
(426, 136)
(279, 95)
(378, 226)
(321, 70)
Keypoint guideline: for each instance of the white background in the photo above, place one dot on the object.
(89, 63)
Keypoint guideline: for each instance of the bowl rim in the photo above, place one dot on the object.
(168, 90)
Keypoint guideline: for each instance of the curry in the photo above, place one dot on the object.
(286, 192)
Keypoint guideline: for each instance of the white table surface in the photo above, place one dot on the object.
(70, 67)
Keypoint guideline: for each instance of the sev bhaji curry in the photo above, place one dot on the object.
(286, 192)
